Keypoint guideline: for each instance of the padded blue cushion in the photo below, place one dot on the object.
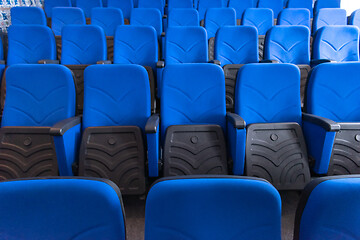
(275, 5)
(215, 18)
(329, 17)
(354, 19)
(204, 5)
(183, 17)
(30, 43)
(108, 19)
(308, 4)
(87, 5)
(27, 15)
(158, 4)
(334, 92)
(38, 95)
(136, 45)
(126, 6)
(240, 6)
(180, 4)
(61, 209)
(83, 44)
(186, 45)
(236, 45)
(337, 43)
(260, 18)
(116, 95)
(326, 4)
(62, 16)
(192, 94)
(213, 208)
(294, 16)
(147, 17)
(268, 93)
(288, 44)
(50, 4)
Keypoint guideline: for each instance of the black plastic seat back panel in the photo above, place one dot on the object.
(231, 72)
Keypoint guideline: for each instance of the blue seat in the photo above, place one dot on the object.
(115, 126)
(179, 4)
(126, 7)
(87, 6)
(27, 15)
(62, 16)
(85, 208)
(2, 59)
(329, 201)
(212, 208)
(183, 17)
(39, 129)
(50, 4)
(326, 4)
(308, 4)
(234, 47)
(275, 5)
(294, 17)
(108, 19)
(158, 4)
(354, 18)
(240, 6)
(267, 97)
(333, 102)
(147, 17)
(329, 17)
(204, 5)
(336, 43)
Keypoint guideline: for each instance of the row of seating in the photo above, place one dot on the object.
(195, 207)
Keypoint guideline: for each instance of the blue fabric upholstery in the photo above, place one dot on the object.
(215, 18)
(293, 16)
(181, 17)
(108, 19)
(203, 6)
(337, 43)
(27, 15)
(87, 5)
(240, 6)
(354, 19)
(29, 44)
(147, 17)
(158, 4)
(83, 45)
(81, 208)
(275, 5)
(126, 6)
(268, 93)
(236, 45)
(288, 44)
(326, 4)
(308, 4)
(136, 45)
(186, 45)
(179, 4)
(329, 17)
(62, 16)
(260, 18)
(50, 4)
(213, 208)
(192, 94)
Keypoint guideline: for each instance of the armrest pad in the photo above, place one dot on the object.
(202, 23)
(269, 61)
(217, 62)
(48, 61)
(163, 34)
(160, 64)
(104, 62)
(60, 128)
(165, 16)
(152, 124)
(2, 62)
(237, 121)
(315, 62)
(327, 124)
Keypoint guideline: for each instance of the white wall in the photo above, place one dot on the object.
(350, 5)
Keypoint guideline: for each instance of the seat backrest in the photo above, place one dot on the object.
(337, 43)
(147, 17)
(294, 17)
(50, 4)
(212, 208)
(308, 4)
(275, 5)
(333, 92)
(216, 18)
(136, 45)
(329, 209)
(192, 94)
(85, 208)
(158, 4)
(260, 18)
(183, 17)
(126, 6)
(105, 105)
(236, 45)
(107, 18)
(83, 44)
(204, 5)
(29, 44)
(180, 4)
(268, 93)
(62, 16)
(87, 5)
(240, 6)
(288, 44)
(27, 15)
(186, 45)
(329, 17)
(38, 95)
(326, 4)
(354, 18)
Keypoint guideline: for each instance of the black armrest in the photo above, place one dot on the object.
(163, 34)
(202, 23)
(48, 61)
(2, 62)
(327, 124)
(314, 63)
(269, 61)
(160, 64)
(152, 124)
(217, 62)
(104, 62)
(237, 121)
(60, 128)
(165, 16)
